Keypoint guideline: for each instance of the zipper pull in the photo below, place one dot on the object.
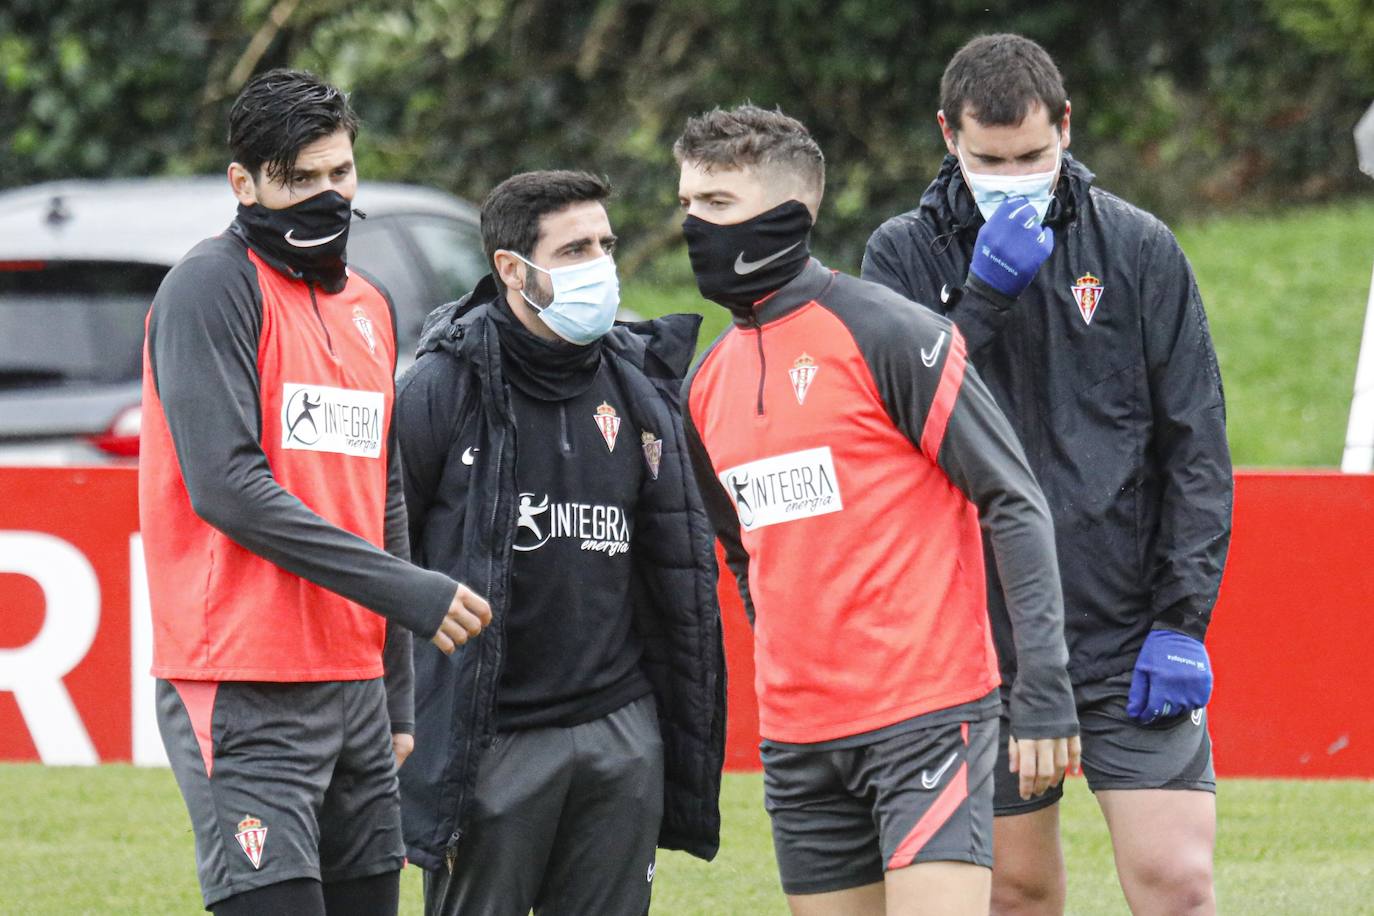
(763, 363)
(451, 850)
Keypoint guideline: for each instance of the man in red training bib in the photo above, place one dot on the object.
(274, 526)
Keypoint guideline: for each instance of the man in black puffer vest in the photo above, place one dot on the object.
(544, 457)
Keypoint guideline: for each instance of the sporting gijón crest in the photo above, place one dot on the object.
(803, 373)
(653, 451)
(364, 326)
(1087, 292)
(609, 423)
(252, 837)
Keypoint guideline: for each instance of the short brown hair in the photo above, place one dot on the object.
(281, 112)
(752, 136)
(998, 79)
(512, 211)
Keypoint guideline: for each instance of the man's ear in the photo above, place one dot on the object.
(946, 131)
(241, 183)
(1064, 126)
(509, 269)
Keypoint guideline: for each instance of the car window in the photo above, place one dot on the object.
(453, 250)
(73, 321)
(375, 245)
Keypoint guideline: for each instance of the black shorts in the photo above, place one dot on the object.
(1118, 752)
(843, 817)
(284, 780)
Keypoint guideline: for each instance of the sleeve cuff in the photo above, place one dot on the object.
(998, 300)
(1179, 620)
(435, 594)
(1042, 703)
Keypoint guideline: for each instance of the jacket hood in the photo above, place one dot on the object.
(661, 347)
(949, 203)
(443, 327)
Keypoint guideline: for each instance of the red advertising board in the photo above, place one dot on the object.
(1290, 640)
(65, 640)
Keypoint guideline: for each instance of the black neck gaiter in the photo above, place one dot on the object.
(547, 370)
(309, 237)
(738, 265)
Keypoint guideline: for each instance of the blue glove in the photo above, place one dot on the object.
(1011, 247)
(1173, 675)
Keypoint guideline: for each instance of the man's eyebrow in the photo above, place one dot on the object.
(309, 172)
(1030, 154)
(573, 243)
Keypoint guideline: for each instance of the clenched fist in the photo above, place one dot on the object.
(467, 615)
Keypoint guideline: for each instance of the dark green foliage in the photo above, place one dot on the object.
(1181, 106)
(103, 89)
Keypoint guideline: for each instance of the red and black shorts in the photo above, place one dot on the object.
(1118, 752)
(844, 813)
(284, 780)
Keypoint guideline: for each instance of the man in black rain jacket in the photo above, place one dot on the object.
(1104, 365)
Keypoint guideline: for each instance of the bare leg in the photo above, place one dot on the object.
(1028, 875)
(1163, 840)
(854, 901)
(938, 889)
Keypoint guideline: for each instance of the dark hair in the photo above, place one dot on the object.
(752, 136)
(281, 112)
(997, 79)
(512, 211)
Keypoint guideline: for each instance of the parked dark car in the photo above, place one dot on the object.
(81, 260)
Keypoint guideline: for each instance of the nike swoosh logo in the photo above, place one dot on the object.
(944, 292)
(928, 781)
(929, 358)
(468, 454)
(310, 243)
(743, 267)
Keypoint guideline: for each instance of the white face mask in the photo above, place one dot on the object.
(989, 191)
(585, 299)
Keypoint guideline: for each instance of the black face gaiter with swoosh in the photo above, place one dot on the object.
(309, 237)
(740, 264)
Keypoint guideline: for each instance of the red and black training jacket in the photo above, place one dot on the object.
(848, 454)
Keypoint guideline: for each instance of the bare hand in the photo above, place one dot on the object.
(467, 615)
(1042, 762)
(402, 745)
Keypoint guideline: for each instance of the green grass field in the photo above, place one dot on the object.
(116, 839)
(1285, 295)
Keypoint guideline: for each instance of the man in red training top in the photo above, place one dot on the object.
(274, 526)
(848, 454)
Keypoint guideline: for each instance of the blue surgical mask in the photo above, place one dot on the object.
(585, 299)
(990, 190)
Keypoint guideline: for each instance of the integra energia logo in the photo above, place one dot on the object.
(783, 488)
(318, 418)
(596, 528)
